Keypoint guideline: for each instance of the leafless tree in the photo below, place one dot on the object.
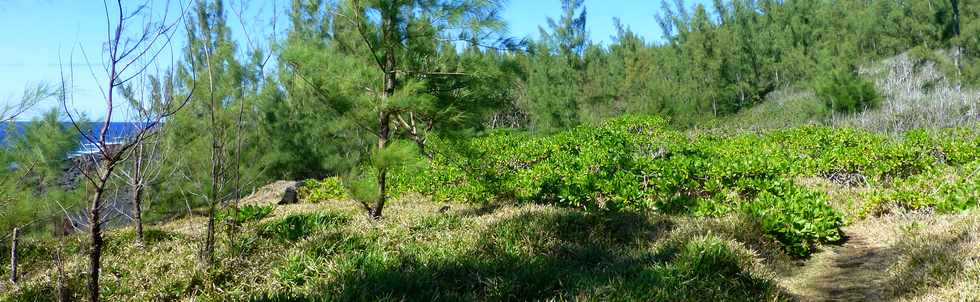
(146, 154)
(127, 55)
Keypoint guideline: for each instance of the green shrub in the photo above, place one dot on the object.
(945, 190)
(637, 164)
(844, 91)
(315, 191)
(300, 226)
(245, 214)
(797, 218)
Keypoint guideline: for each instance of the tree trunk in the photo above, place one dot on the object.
(384, 116)
(138, 213)
(207, 253)
(138, 194)
(95, 251)
(13, 256)
(384, 131)
(956, 17)
(60, 270)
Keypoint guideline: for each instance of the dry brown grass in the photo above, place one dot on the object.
(939, 258)
(414, 228)
(909, 256)
(900, 256)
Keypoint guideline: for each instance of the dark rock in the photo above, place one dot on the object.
(290, 195)
(940, 156)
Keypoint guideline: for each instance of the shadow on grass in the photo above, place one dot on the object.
(936, 262)
(564, 255)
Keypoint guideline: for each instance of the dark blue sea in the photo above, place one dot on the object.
(117, 131)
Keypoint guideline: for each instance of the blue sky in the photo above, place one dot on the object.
(36, 33)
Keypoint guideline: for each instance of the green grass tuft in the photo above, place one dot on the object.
(299, 226)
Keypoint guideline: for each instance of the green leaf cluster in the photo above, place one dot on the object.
(243, 214)
(637, 163)
(315, 191)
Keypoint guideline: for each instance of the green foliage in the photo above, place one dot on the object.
(42, 147)
(798, 218)
(636, 163)
(221, 89)
(721, 58)
(362, 185)
(33, 160)
(327, 189)
(246, 213)
(299, 226)
(844, 91)
(949, 190)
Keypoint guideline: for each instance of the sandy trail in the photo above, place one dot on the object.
(853, 271)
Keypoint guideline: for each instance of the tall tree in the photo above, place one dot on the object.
(393, 41)
(211, 64)
(556, 71)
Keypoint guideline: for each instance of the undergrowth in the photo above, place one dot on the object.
(314, 191)
(638, 164)
(418, 254)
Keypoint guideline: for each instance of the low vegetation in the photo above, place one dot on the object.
(638, 164)
(325, 251)
(327, 189)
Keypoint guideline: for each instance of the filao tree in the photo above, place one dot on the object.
(556, 70)
(211, 65)
(384, 50)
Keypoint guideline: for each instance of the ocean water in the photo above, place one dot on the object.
(117, 131)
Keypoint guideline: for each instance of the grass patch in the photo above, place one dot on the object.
(417, 254)
(299, 226)
(246, 213)
(438, 223)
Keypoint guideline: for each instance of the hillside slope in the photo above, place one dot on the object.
(330, 251)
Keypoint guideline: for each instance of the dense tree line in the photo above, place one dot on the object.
(717, 60)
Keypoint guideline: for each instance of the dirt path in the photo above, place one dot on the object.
(853, 271)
